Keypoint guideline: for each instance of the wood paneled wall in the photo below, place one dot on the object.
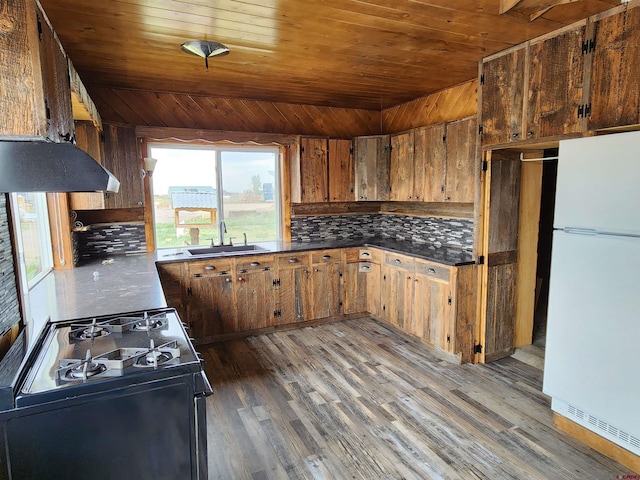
(144, 108)
(444, 106)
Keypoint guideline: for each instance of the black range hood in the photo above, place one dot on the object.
(30, 166)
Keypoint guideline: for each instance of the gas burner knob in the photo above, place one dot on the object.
(185, 326)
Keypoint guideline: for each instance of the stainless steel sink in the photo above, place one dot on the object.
(223, 249)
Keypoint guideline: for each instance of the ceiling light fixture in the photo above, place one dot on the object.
(205, 49)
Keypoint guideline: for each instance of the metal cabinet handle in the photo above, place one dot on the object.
(365, 267)
(227, 279)
(326, 257)
(365, 254)
(431, 270)
(315, 270)
(255, 264)
(293, 260)
(209, 267)
(398, 261)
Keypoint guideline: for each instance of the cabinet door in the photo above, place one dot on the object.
(461, 165)
(341, 172)
(325, 290)
(121, 158)
(55, 83)
(615, 89)
(255, 299)
(397, 296)
(372, 167)
(210, 305)
(429, 160)
(314, 170)
(502, 90)
(433, 318)
(401, 167)
(556, 80)
(373, 288)
(294, 296)
(173, 284)
(354, 287)
(88, 139)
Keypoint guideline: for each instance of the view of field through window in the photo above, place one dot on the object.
(188, 208)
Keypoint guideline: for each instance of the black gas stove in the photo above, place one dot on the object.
(100, 388)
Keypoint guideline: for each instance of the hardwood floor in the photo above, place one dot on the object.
(359, 400)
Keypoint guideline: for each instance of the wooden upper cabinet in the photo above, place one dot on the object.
(429, 162)
(34, 84)
(462, 161)
(314, 170)
(341, 171)
(556, 84)
(401, 167)
(615, 69)
(502, 90)
(88, 139)
(372, 167)
(121, 158)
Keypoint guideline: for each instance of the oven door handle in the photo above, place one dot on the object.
(201, 387)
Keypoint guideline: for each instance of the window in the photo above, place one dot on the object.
(209, 194)
(32, 235)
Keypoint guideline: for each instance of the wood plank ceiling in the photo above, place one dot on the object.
(362, 54)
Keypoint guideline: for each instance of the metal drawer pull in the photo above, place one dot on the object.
(209, 267)
(365, 254)
(432, 270)
(398, 261)
(365, 267)
(255, 264)
(326, 257)
(227, 279)
(293, 260)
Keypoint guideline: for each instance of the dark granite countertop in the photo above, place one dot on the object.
(444, 254)
(126, 283)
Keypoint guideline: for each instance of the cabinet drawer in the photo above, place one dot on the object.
(370, 255)
(325, 256)
(399, 261)
(293, 260)
(351, 255)
(255, 263)
(431, 269)
(203, 269)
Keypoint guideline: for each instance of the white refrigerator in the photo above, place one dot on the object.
(592, 362)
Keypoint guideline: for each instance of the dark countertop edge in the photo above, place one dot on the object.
(395, 246)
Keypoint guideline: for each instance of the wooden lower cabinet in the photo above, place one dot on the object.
(293, 288)
(397, 290)
(255, 292)
(230, 295)
(210, 304)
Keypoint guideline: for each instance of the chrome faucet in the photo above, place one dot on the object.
(222, 229)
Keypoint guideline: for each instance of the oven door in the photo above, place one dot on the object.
(142, 431)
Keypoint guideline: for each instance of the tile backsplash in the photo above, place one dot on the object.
(109, 239)
(9, 303)
(455, 232)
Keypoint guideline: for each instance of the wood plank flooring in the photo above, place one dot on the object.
(360, 400)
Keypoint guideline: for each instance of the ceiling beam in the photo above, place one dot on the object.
(531, 8)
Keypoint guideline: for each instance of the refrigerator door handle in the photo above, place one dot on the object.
(580, 231)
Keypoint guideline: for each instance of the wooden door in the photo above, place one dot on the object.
(373, 288)
(462, 162)
(293, 289)
(314, 170)
(397, 296)
(341, 171)
(432, 313)
(556, 84)
(354, 287)
(500, 211)
(325, 290)
(429, 163)
(255, 299)
(401, 167)
(502, 94)
(614, 87)
(88, 139)
(210, 305)
(121, 158)
(372, 167)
